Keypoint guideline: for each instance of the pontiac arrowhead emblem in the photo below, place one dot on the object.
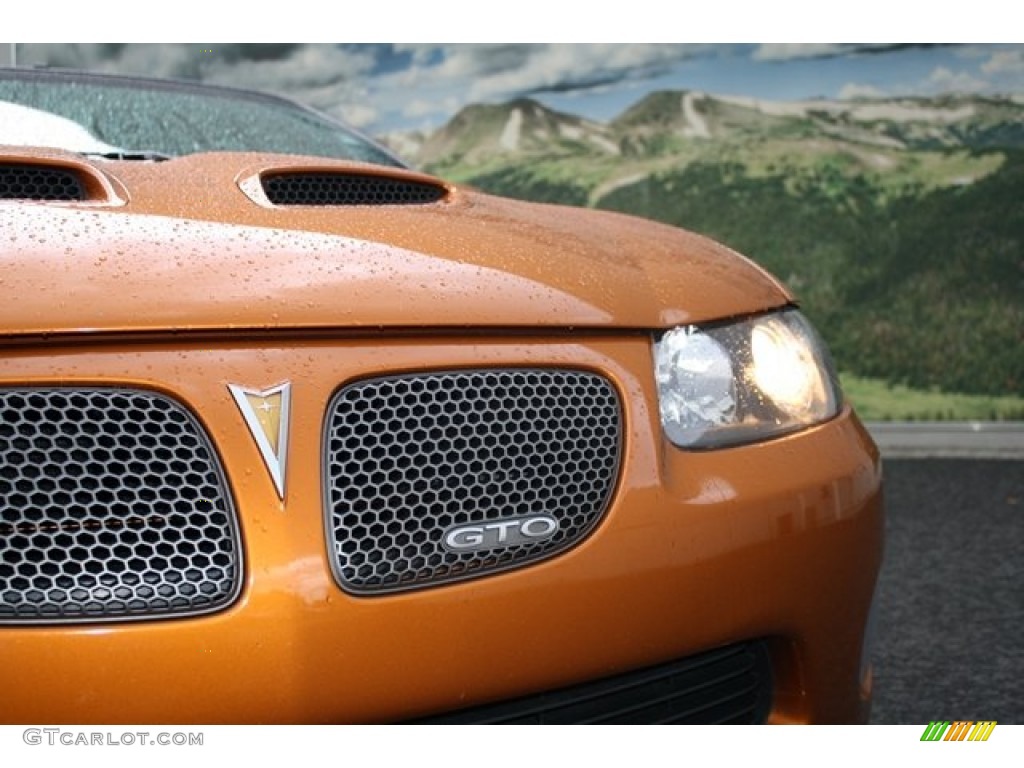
(266, 414)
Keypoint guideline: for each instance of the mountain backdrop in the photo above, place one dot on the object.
(899, 223)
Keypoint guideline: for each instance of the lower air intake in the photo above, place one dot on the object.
(730, 685)
(412, 460)
(113, 505)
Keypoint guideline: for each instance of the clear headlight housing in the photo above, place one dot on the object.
(743, 382)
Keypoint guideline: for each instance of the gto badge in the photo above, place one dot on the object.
(498, 534)
(266, 414)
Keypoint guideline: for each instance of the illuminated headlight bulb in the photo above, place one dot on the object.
(740, 382)
(785, 369)
(696, 385)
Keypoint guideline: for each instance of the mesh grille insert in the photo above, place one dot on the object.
(38, 182)
(409, 458)
(113, 505)
(347, 189)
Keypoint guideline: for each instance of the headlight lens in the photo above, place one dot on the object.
(742, 382)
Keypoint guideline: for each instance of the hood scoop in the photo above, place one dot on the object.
(29, 181)
(345, 188)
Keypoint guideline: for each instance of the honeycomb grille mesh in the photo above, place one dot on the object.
(112, 506)
(410, 457)
(347, 189)
(37, 182)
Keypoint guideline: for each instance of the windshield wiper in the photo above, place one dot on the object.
(130, 154)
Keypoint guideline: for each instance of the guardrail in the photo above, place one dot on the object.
(949, 439)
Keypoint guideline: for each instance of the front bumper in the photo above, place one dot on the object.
(699, 550)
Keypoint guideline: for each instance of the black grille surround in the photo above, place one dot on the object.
(410, 457)
(25, 181)
(731, 685)
(113, 506)
(347, 189)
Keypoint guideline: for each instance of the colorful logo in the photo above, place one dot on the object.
(961, 730)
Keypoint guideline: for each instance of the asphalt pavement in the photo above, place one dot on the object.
(950, 624)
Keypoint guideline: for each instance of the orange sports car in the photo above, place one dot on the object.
(292, 433)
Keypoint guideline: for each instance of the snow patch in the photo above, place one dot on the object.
(775, 108)
(905, 113)
(610, 186)
(513, 128)
(899, 112)
(696, 125)
(604, 143)
(571, 132)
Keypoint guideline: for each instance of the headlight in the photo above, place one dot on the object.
(742, 382)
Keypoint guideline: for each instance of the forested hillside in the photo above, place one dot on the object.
(924, 288)
(899, 225)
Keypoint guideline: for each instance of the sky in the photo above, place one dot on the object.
(388, 87)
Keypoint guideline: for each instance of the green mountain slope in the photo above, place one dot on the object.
(898, 223)
(921, 289)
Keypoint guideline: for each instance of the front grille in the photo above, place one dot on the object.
(347, 189)
(409, 458)
(730, 685)
(24, 181)
(113, 505)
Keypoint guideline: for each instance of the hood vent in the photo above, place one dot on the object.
(348, 189)
(26, 181)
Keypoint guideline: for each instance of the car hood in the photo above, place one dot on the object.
(192, 244)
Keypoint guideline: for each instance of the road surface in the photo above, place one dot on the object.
(950, 634)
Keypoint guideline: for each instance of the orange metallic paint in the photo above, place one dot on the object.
(778, 540)
(175, 278)
(474, 261)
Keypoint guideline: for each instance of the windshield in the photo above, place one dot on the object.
(98, 115)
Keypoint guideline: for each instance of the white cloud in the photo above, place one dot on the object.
(421, 108)
(305, 67)
(488, 72)
(421, 53)
(320, 75)
(358, 115)
(181, 61)
(1005, 62)
(443, 78)
(860, 91)
(946, 80)
(784, 51)
(383, 87)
